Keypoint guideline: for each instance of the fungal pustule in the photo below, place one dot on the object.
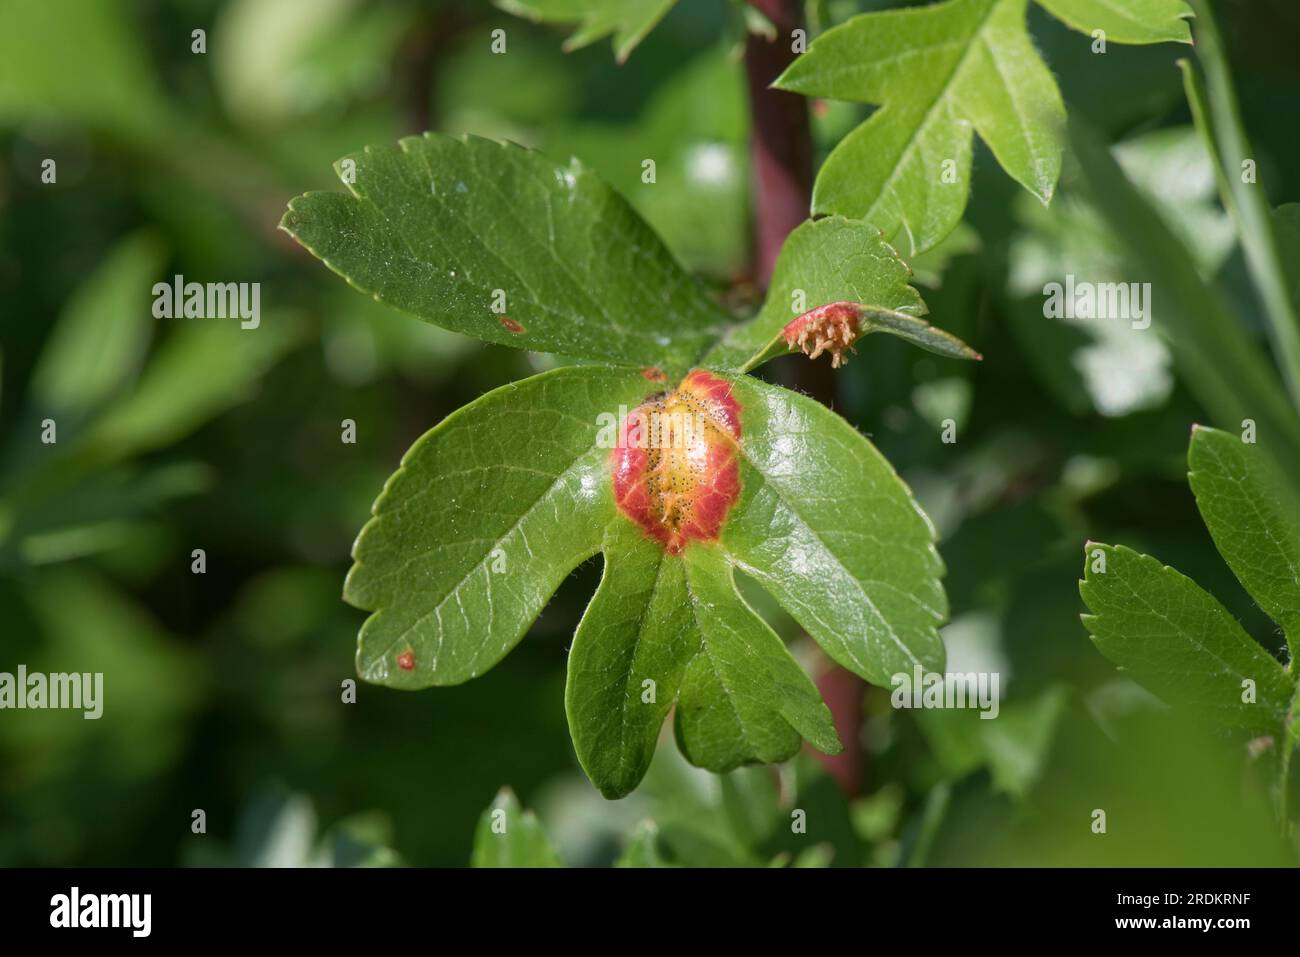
(831, 328)
(676, 471)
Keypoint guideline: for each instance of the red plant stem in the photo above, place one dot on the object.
(781, 155)
(781, 142)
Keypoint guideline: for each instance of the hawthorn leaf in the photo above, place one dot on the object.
(1130, 21)
(637, 629)
(1178, 641)
(628, 20)
(937, 73)
(1254, 519)
(830, 530)
(822, 261)
(488, 513)
(665, 625)
(744, 698)
(498, 242)
(509, 836)
(1215, 356)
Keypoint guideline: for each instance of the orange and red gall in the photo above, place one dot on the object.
(675, 467)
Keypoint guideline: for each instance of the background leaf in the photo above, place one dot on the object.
(1254, 519)
(628, 20)
(1132, 21)
(1178, 641)
(521, 842)
(1107, 363)
(99, 343)
(1216, 358)
(642, 850)
(1215, 109)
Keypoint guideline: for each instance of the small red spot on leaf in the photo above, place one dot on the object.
(831, 328)
(510, 325)
(675, 469)
(406, 660)
(653, 374)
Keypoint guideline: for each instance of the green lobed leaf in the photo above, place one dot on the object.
(442, 228)
(1178, 641)
(1129, 21)
(488, 513)
(744, 698)
(637, 629)
(827, 260)
(628, 20)
(937, 72)
(828, 528)
(664, 629)
(509, 836)
(1254, 519)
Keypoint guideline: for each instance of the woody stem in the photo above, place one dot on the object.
(781, 157)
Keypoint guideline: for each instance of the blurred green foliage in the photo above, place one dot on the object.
(224, 691)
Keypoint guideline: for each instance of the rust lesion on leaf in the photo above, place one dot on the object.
(406, 660)
(675, 468)
(832, 328)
